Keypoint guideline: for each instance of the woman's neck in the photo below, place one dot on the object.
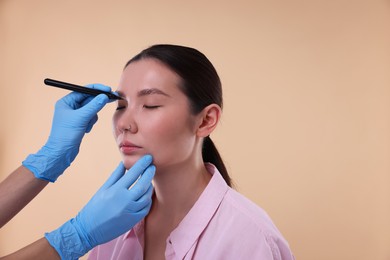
(177, 188)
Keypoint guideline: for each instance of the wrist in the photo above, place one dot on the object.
(69, 241)
(48, 164)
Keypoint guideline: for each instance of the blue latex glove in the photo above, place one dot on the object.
(113, 210)
(74, 115)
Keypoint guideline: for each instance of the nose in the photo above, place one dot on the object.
(125, 122)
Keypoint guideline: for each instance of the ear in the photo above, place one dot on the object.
(209, 118)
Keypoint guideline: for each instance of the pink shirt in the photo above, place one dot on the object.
(222, 224)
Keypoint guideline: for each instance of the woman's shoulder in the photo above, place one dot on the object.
(249, 226)
(235, 206)
(248, 214)
(244, 207)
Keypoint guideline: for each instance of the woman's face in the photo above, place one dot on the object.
(154, 117)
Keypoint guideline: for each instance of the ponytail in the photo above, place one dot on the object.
(211, 154)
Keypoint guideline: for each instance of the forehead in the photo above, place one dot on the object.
(148, 73)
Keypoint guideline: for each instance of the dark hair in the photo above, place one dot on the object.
(200, 83)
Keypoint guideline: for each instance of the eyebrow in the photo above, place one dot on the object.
(151, 91)
(145, 92)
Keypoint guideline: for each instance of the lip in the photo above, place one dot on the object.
(128, 148)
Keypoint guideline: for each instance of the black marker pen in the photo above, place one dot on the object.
(77, 88)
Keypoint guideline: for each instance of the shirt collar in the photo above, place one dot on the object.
(193, 224)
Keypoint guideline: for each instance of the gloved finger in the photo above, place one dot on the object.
(145, 200)
(144, 211)
(86, 100)
(73, 100)
(149, 192)
(76, 99)
(146, 197)
(91, 123)
(95, 105)
(103, 88)
(135, 171)
(115, 176)
(99, 86)
(142, 185)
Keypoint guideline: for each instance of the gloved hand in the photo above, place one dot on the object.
(74, 115)
(112, 211)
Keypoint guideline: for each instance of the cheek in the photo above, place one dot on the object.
(114, 126)
(170, 139)
(117, 122)
(158, 131)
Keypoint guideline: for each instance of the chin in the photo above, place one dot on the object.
(129, 161)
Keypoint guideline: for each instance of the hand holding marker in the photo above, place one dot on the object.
(77, 88)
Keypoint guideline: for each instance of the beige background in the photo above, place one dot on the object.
(306, 126)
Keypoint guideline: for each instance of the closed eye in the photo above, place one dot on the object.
(120, 107)
(151, 107)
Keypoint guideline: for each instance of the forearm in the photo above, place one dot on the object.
(16, 191)
(40, 249)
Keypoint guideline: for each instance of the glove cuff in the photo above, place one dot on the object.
(47, 164)
(69, 241)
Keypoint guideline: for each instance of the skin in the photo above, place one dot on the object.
(158, 115)
(16, 191)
